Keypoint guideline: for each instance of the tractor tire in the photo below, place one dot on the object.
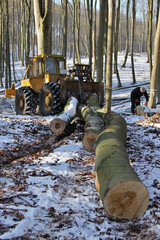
(25, 101)
(49, 99)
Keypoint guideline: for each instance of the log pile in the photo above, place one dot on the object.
(122, 192)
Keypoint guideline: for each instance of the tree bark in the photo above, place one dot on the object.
(149, 37)
(43, 17)
(59, 123)
(100, 42)
(122, 192)
(23, 30)
(90, 19)
(64, 27)
(1, 23)
(132, 41)
(28, 14)
(13, 42)
(77, 22)
(8, 66)
(155, 77)
(127, 35)
(106, 35)
(93, 127)
(116, 32)
(108, 91)
(94, 39)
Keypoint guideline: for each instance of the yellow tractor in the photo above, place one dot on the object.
(46, 86)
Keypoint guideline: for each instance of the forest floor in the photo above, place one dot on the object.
(47, 182)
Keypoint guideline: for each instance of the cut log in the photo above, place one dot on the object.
(93, 102)
(122, 192)
(59, 123)
(93, 127)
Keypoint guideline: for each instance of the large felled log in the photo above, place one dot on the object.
(59, 123)
(122, 192)
(93, 127)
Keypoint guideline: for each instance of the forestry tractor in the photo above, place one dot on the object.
(46, 86)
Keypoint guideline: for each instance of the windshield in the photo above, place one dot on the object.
(36, 67)
(54, 65)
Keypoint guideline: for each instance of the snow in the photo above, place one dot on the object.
(47, 187)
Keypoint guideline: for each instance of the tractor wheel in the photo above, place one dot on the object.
(49, 99)
(25, 101)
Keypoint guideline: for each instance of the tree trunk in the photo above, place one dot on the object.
(106, 34)
(33, 37)
(28, 14)
(1, 22)
(13, 42)
(122, 192)
(116, 32)
(8, 66)
(19, 29)
(100, 42)
(90, 19)
(77, 22)
(43, 17)
(59, 123)
(94, 40)
(149, 37)
(155, 77)
(73, 30)
(64, 27)
(93, 127)
(132, 41)
(23, 30)
(127, 35)
(108, 91)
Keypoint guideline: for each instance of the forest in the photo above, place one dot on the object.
(76, 160)
(78, 29)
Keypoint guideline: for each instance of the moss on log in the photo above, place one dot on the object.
(122, 192)
(93, 127)
(92, 101)
(59, 123)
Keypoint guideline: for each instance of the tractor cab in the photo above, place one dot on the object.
(43, 69)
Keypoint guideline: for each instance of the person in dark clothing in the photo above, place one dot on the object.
(136, 94)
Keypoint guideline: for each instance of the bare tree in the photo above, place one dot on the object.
(132, 39)
(77, 22)
(108, 88)
(73, 30)
(33, 36)
(64, 26)
(28, 17)
(100, 42)
(43, 17)
(116, 32)
(1, 23)
(127, 34)
(94, 38)
(106, 33)
(149, 35)
(23, 30)
(90, 19)
(155, 77)
(13, 41)
(18, 8)
(8, 66)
